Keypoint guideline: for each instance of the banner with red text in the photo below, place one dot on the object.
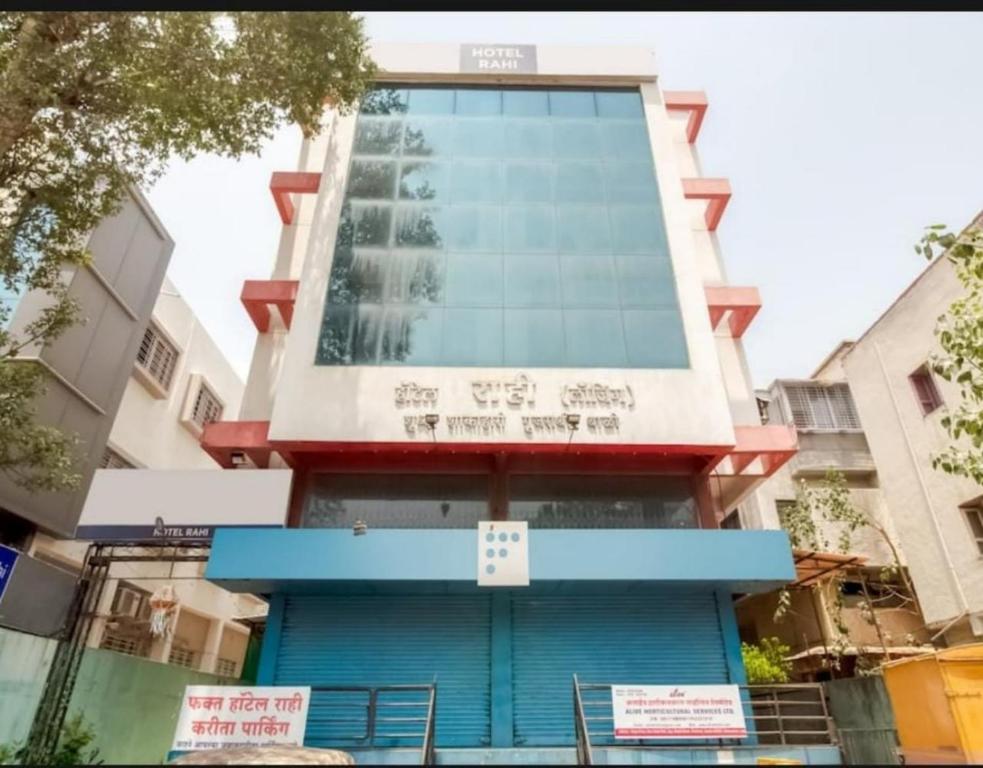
(218, 716)
(678, 712)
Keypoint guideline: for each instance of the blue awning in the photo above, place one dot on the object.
(266, 561)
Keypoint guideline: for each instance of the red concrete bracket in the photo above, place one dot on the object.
(715, 191)
(283, 184)
(774, 444)
(742, 303)
(694, 102)
(223, 439)
(258, 295)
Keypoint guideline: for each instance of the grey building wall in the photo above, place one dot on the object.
(89, 366)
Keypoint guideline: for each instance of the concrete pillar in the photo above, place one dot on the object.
(103, 609)
(213, 641)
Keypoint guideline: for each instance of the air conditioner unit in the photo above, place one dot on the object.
(128, 602)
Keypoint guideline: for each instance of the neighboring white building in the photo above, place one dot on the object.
(180, 381)
(830, 437)
(901, 403)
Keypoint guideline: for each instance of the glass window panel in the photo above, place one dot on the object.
(616, 501)
(655, 339)
(476, 182)
(638, 229)
(334, 347)
(419, 227)
(645, 281)
(534, 337)
(572, 104)
(588, 281)
(395, 501)
(532, 280)
(474, 228)
(529, 229)
(416, 277)
(372, 179)
(479, 101)
(411, 336)
(619, 104)
(526, 103)
(474, 280)
(472, 337)
(576, 140)
(431, 101)
(579, 183)
(378, 136)
(529, 183)
(384, 101)
(371, 225)
(358, 276)
(423, 181)
(594, 338)
(567, 233)
(582, 229)
(626, 139)
(630, 183)
(426, 138)
(478, 138)
(532, 139)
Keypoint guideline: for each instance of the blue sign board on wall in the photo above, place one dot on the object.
(8, 558)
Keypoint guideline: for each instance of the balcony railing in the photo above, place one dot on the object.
(784, 715)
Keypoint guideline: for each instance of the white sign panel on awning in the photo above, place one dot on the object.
(221, 716)
(503, 553)
(678, 712)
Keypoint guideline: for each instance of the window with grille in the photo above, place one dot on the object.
(183, 657)
(157, 357)
(207, 407)
(225, 667)
(822, 407)
(975, 517)
(926, 392)
(112, 460)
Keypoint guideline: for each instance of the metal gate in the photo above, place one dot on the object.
(864, 720)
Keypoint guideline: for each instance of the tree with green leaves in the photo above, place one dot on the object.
(960, 335)
(767, 662)
(827, 507)
(95, 103)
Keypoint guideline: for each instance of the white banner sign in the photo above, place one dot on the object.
(218, 716)
(678, 712)
(503, 554)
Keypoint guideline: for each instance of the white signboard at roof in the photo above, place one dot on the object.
(678, 712)
(221, 716)
(141, 504)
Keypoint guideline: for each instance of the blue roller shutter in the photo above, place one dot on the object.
(662, 638)
(391, 640)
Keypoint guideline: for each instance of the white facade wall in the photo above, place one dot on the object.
(944, 561)
(147, 430)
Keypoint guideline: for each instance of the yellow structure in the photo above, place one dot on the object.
(938, 705)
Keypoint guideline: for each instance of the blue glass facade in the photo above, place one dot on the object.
(502, 227)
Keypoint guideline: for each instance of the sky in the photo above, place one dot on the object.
(842, 135)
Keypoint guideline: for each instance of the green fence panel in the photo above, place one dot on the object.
(864, 720)
(24, 663)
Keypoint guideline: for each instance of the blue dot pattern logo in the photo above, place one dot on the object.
(489, 569)
(490, 552)
(502, 554)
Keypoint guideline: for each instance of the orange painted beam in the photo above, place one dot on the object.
(258, 295)
(694, 102)
(283, 184)
(222, 439)
(742, 303)
(715, 191)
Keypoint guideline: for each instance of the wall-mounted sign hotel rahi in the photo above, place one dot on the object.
(487, 59)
